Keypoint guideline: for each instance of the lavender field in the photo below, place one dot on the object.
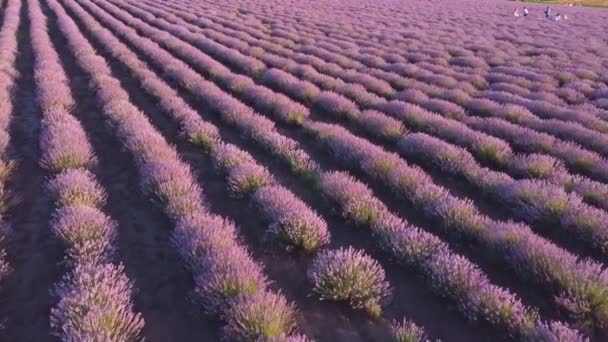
(299, 170)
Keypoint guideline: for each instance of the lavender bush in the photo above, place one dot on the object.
(95, 305)
(89, 234)
(264, 316)
(407, 331)
(247, 178)
(77, 188)
(349, 275)
(291, 219)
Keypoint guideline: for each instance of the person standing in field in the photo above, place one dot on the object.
(516, 13)
(548, 12)
(525, 11)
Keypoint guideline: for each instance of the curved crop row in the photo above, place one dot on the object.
(94, 289)
(8, 53)
(521, 166)
(369, 82)
(290, 40)
(525, 139)
(482, 145)
(379, 86)
(227, 280)
(514, 112)
(450, 275)
(562, 129)
(579, 134)
(240, 167)
(435, 37)
(553, 119)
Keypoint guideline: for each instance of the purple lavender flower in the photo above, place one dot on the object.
(264, 316)
(88, 233)
(95, 305)
(407, 331)
(76, 188)
(201, 133)
(227, 156)
(291, 219)
(64, 144)
(349, 275)
(557, 331)
(382, 125)
(539, 166)
(593, 192)
(224, 274)
(200, 233)
(335, 104)
(359, 94)
(247, 178)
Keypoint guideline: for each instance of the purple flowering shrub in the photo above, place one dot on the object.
(352, 276)
(249, 318)
(76, 188)
(95, 304)
(292, 221)
(539, 166)
(335, 104)
(89, 234)
(223, 274)
(247, 178)
(407, 331)
(381, 125)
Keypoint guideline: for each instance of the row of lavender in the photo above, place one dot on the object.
(181, 81)
(571, 215)
(94, 289)
(8, 73)
(228, 283)
(399, 236)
